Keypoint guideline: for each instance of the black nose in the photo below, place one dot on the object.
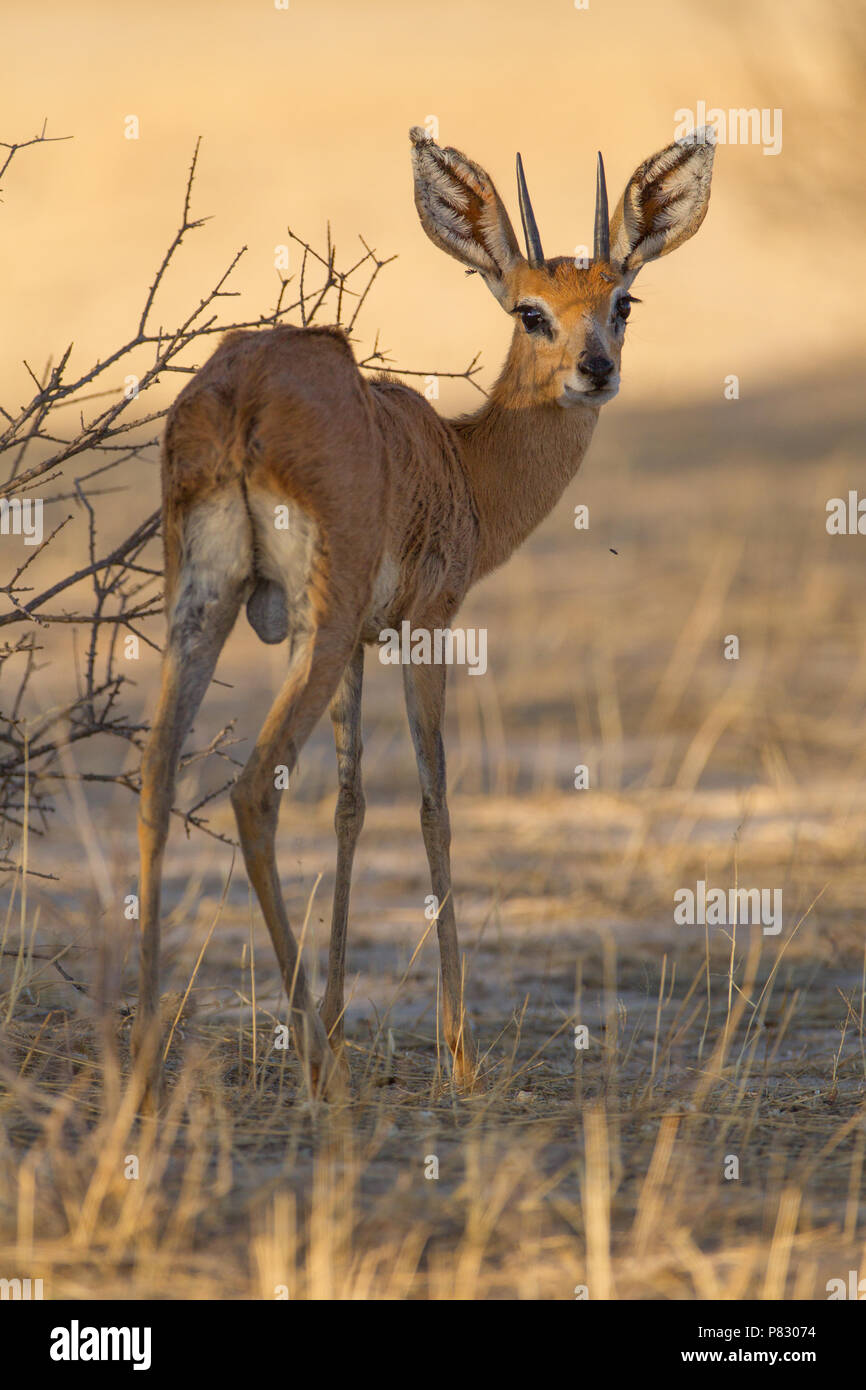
(599, 368)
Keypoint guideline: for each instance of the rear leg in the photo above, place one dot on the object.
(212, 581)
(317, 666)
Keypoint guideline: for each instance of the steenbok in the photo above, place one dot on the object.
(395, 513)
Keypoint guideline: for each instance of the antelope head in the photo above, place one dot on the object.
(570, 315)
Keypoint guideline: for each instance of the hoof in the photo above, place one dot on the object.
(465, 1073)
(146, 1049)
(331, 1078)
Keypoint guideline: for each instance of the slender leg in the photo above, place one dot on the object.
(348, 820)
(306, 692)
(425, 705)
(196, 636)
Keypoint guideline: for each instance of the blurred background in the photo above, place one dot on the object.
(304, 114)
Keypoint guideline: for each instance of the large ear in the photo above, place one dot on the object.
(664, 203)
(461, 211)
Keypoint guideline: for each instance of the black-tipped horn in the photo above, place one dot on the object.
(601, 239)
(534, 253)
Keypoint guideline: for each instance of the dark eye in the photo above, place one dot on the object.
(532, 319)
(623, 306)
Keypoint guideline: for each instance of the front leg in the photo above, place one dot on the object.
(425, 705)
(348, 821)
